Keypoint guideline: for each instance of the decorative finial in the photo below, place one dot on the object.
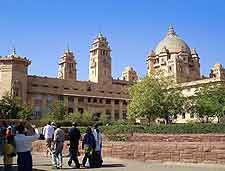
(151, 53)
(14, 52)
(193, 51)
(171, 30)
(100, 35)
(68, 48)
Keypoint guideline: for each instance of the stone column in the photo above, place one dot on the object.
(75, 108)
(44, 104)
(121, 109)
(66, 102)
(113, 110)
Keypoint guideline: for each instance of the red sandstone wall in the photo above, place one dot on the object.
(176, 137)
(201, 149)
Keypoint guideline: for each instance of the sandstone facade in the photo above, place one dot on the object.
(101, 93)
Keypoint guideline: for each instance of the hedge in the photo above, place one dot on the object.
(121, 132)
(198, 128)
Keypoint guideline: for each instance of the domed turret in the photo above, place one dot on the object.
(172, 42)
(173, 57)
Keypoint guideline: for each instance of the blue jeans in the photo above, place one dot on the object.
(24, 161)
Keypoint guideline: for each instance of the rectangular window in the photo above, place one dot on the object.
(100, 100)
(108, 114)
(61, 98)
(95, 100)
(71, 99)
(34, 85)
(108, 101)
(124, 114)
(125, 103)
(80, 99)
(70, 110)
(116, 101)
(116, 115)
(89, 99)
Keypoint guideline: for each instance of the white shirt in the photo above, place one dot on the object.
(98, 139)
(24, 143)
(48, 131)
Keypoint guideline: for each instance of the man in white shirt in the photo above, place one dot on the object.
(24, 146)
(48, 133)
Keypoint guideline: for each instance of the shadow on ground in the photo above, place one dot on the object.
(14, 168)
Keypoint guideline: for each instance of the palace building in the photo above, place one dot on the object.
(101, 93)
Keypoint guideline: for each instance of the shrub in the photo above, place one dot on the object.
(113, 131)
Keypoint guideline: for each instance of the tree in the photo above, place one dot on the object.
(104, 119)
(154, 97)
(209, 102)
(87, 118)
(12, 108)
(75, 117)
(57, 111)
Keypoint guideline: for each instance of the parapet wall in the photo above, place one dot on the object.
(208, 151)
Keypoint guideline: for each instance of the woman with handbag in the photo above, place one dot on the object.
(88, 145)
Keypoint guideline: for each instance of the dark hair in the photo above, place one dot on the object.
(49, 122)
(74, 124)
(88, 130)
(97, 130)
(20, 129)
(96, 126)
(58, 125)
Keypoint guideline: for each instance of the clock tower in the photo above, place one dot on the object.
(100, 70)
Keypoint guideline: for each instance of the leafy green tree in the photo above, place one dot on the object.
(57, 111)
(155, 97)
(209, 102)
(74, 117)
(87, 118)
(104, 119)
(12, 108)
(172, 103)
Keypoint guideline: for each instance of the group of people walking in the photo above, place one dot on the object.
(91, 143)
(16, 139)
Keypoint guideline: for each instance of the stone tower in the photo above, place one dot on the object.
(100, 61)
(13, 75)
(217, 72)
(129, 74)
(174, 58)
(67, 66)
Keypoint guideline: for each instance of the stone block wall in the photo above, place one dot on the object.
(208, 151)
(176, 137)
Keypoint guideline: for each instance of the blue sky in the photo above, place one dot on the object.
(41, 30)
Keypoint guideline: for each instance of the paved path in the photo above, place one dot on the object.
(42, 163)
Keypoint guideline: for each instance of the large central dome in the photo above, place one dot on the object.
(172, 43)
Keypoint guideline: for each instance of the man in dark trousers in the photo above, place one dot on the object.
(74, 137)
